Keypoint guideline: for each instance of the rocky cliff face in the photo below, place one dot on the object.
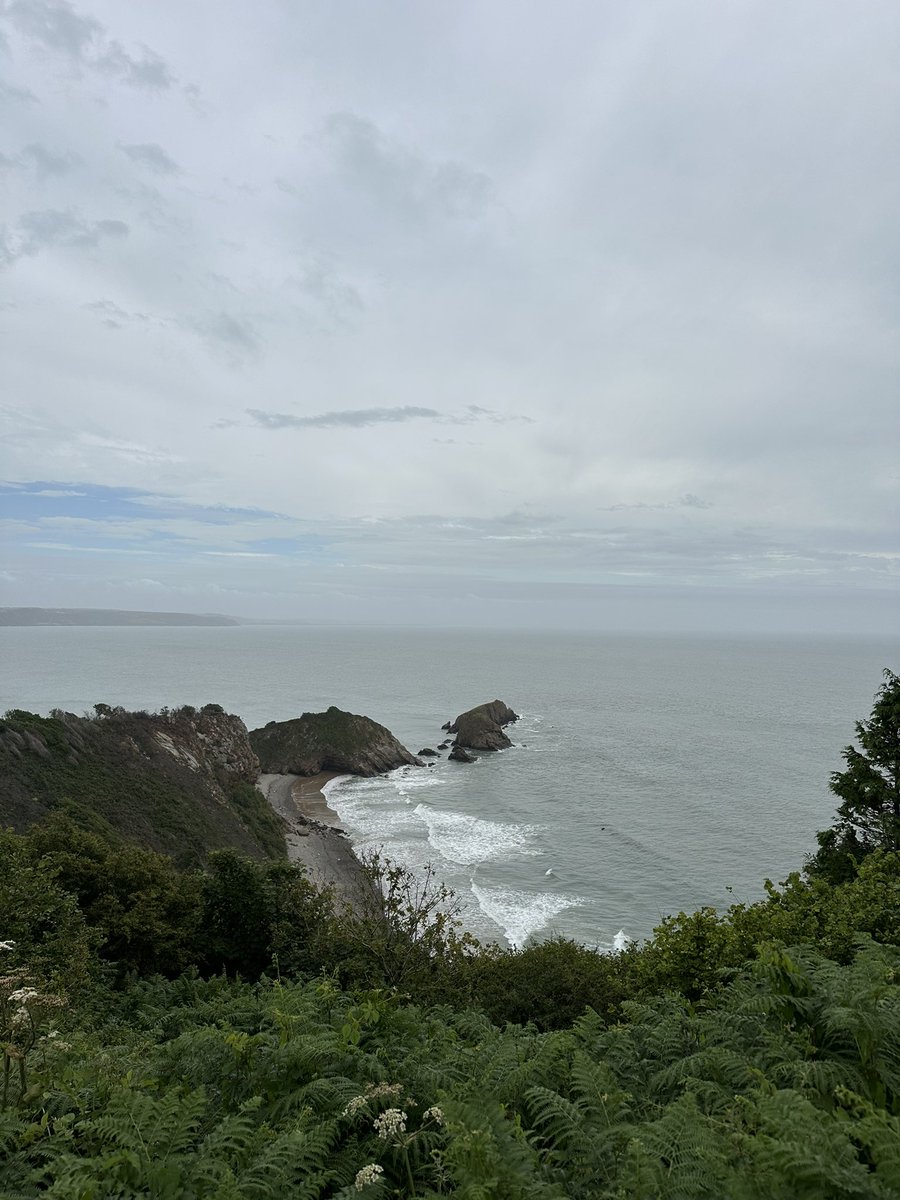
(180, 781)
(329, 741)
(210, 741)
(481, 728)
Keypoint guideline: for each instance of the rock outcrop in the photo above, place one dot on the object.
(481, 728)
(460, 754)
(329, 741)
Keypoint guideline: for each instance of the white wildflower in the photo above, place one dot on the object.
(373, 1092)
(7, 945)
(355, 1105)
(434, 1114)
(21, 1018)
(391, 1122)
(23, 995)
(369, 1174)
(53, 1042)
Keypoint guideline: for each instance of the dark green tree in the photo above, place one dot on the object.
(869, 789)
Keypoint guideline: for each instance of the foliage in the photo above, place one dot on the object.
(145, 911)
(254, 914)
(869, 790)
(408, 935)
(752, 1054)
(549, 984)
(689, 951)
(64, 891)
(42, 920)
(786, 1085)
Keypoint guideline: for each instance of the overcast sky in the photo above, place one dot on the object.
(571, 314)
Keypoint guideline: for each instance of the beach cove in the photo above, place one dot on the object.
(649, 775)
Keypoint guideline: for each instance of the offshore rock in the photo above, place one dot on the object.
(460, 754)
(481, 728)
(329, 741)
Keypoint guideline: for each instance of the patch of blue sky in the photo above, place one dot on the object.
(209, 514)
(145, 541)
(99, 502)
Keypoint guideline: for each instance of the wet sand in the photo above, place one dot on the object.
(315, 837)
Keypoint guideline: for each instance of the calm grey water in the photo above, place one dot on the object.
(649, 775)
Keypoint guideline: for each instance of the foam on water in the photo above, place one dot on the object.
(406, 783)
(467, 840)
(529, 726)
(521, 914)
(369, 806)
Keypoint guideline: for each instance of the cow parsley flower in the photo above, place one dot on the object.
(374, 1091)
(23, 995)
(369, 1174)
(391, 1122)
(21, 1018)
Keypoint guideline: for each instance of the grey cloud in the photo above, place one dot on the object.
(113, 315)
(57, 26)
(152, 156)
(152, 207)
(474, 412)
(149, 71)
(35, 231)
(320, 283)
(404, 178)
(15, 95)
(235, 337)
(46, 163)
(688, 500)
(352, 418)
(359, 418)
(287, 187)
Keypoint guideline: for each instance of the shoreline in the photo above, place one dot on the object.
(315, 837)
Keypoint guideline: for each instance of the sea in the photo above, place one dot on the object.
(649, 774)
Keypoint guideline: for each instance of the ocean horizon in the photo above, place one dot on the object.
(649, 773)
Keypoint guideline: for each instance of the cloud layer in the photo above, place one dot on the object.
(489, 303)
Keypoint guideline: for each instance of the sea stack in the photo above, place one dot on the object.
(481, 728)
(329, 741)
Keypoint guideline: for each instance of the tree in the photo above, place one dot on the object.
(405, 935)
(869, 788)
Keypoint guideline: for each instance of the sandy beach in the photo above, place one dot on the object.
(315, 837)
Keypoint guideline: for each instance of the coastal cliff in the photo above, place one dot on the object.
(181, 781)
(330, 741)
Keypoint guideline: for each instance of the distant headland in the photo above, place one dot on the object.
(108, 616)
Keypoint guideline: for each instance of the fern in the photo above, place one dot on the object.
(680, 1156)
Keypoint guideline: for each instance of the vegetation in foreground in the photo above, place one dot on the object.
(221, 1032)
